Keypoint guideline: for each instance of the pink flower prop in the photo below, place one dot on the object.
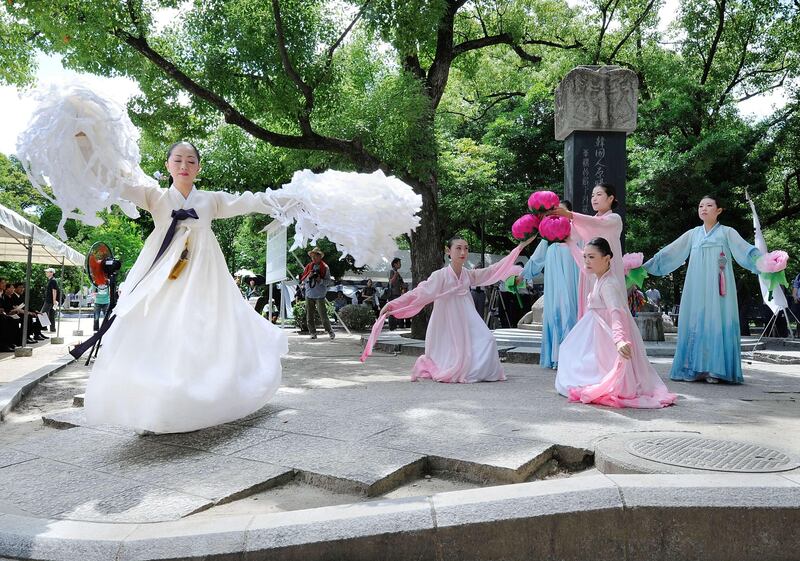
(541, 201)
(772, 262)
(554, 228)
(524, 226)
(632, 261)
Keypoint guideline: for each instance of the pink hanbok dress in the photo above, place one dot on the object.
(590, 368)
(584, 228)
(459, 348)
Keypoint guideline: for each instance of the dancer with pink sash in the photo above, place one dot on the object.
(459, 348)
(603, 359)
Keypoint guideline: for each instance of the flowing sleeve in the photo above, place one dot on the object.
(497, 272)
(618, 310)
(143, 196)
(670, 257)
(228, 205)
(413, 301)
(744, 253)
(535, 264)
(407, 305)
(576, 252)
(587, 227)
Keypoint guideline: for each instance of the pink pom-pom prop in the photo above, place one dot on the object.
(632, 261)
(772, 262)
(542, 201)
(524, 226)
(554, 228)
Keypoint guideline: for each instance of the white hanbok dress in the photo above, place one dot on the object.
(187, 353)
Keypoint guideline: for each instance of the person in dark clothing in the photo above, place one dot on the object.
(395, 288)
(10, 335)
(12, 313)
(34, 326)
(50, 297)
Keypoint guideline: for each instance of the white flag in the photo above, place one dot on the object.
(778, 301)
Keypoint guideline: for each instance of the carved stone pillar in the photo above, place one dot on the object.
(595, 111)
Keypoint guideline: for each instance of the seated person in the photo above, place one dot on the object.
(340, 302)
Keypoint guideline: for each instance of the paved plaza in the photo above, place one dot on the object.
(341, 432)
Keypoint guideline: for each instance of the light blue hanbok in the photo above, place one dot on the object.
(560, 296)
(709, 343)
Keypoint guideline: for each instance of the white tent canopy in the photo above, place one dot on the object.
(16, 234)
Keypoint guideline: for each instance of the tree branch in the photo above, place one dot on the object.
(304, 117)
(500, 39)
(715, 43)
(604, 26)
(341, 38)
(352, 149)
(633, 28)
(439, 71)
(737, 79)
(497, 97)
(576, 45)
(764, 90)
(786, 212)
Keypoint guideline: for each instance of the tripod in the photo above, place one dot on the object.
(112, 287)
(493, 309)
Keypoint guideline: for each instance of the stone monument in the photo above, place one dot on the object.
(595, 111)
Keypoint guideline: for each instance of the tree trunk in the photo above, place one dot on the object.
(426, 245)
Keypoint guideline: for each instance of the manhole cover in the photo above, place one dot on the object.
(706, 453)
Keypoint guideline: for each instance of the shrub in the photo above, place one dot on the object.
(358, 317)
(299, 310)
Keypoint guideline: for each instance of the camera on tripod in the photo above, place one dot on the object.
(111, 266)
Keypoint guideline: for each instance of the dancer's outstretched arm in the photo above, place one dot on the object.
(501, 270)
(670, 257)
(742, 251)
(535, 264)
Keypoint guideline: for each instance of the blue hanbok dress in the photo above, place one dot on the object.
(709, 344)
(561, 277)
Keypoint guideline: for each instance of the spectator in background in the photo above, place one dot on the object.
(51, 292)
(252, 290)
(395, 288)
(315, 278)
(9, 327)
(654, 297)
(368, 294)
(34, 326)
(102, 298)
(340, 302)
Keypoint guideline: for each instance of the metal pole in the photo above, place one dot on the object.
(77, 332)
(25, 350)
(61, 286)
(269, 303)
(282, 312)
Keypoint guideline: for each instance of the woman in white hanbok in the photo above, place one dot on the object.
(459, 348)
(184, 353)
(184, 350)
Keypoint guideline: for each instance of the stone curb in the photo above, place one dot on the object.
(12, 392)
(602, 517)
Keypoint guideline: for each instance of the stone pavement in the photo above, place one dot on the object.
(360, 431)
(19, 374)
